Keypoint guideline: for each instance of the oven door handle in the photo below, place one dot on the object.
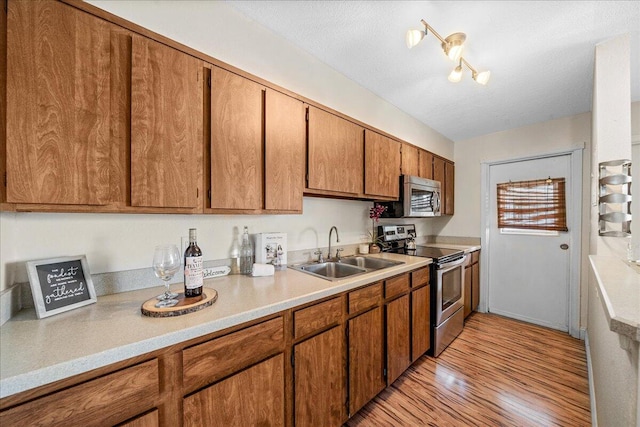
(451, 265)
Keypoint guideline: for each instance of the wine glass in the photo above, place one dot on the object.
(166, 263)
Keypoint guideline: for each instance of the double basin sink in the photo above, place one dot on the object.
(346, 267)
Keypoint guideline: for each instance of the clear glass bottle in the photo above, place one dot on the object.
(246, 253)
(234, 254)
(193, 274)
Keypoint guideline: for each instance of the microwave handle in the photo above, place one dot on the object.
(436, 202)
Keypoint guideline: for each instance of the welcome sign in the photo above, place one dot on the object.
(60, 284)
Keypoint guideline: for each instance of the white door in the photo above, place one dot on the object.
(528, 276)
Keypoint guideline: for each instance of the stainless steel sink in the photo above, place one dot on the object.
(346, 267)
(369, 263)
(330, 270)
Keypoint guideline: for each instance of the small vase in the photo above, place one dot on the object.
(374, 249)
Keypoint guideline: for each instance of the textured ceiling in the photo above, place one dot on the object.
(540, 54)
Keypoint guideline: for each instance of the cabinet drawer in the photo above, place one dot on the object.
(316, 317)
(396, 286)
(365, 298)
(206, 363)
(475, 257)
(420, 277)
(107, 400)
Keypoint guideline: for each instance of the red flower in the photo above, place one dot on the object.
(376, 212)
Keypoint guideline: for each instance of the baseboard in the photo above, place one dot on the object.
(592, 391)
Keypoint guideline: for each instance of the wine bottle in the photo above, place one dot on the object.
(246, 253)
(193, 274)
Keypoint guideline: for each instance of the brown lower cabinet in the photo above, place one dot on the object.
(398, 326)
(252, 397)
(472, 284)
(149, 419)
(312, 365)
(105, 400)
(319, 380)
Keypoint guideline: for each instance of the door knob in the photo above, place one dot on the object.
(564, 246)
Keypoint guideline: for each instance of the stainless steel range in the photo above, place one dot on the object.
(447, 313)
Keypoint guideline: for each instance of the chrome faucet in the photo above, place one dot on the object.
(337, 241)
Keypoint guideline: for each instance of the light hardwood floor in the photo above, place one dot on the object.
(498, 372)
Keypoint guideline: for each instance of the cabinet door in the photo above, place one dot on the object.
(319, 380)
(236, 141)
(57, 135)
(166, 126)
(467, 289)
(426, 165)
(398, 356)
(366, 358)
(410, 160)
(420, 322)
(336, 153)
(285, 149)
(449, 179)
(475, 286)
(253, 397)
(147, 420)
(382, 165)
(438, 173)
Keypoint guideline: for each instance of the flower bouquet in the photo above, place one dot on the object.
(375, 213)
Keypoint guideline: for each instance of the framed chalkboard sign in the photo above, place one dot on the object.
(60, 284)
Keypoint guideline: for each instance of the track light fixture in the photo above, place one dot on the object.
(452, 47)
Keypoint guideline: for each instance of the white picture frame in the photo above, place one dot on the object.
(60, 284)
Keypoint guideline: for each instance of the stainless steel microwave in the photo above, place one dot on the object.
(419, 198)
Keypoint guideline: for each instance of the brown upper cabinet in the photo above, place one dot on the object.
(58, 96)
(336, 153)
(416, 161)
(285, 152)
(254, 167)
(410, 160)
(106, 116)
(236, 141)
(426, 165)
(443, 171)
(166, 126)
(382, 165)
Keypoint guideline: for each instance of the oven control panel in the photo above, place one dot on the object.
(391, 233)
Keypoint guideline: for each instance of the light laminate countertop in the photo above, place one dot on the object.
(466, 248)
(37, 352)
(619, 285)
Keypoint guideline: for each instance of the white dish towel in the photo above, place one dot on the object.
(262, 270)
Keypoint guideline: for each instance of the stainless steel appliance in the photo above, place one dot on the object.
(419, 198)
(447, 269)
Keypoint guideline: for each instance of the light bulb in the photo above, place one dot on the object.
(414, 37)
(482, 77)
(456, 74)
(455, 52)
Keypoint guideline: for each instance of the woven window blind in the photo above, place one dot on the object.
(533, 205)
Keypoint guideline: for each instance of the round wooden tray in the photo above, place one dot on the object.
(184, 306)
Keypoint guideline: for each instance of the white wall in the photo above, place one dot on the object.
(614, 360)
(615, 370)
(611, 126)
(116, 242)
